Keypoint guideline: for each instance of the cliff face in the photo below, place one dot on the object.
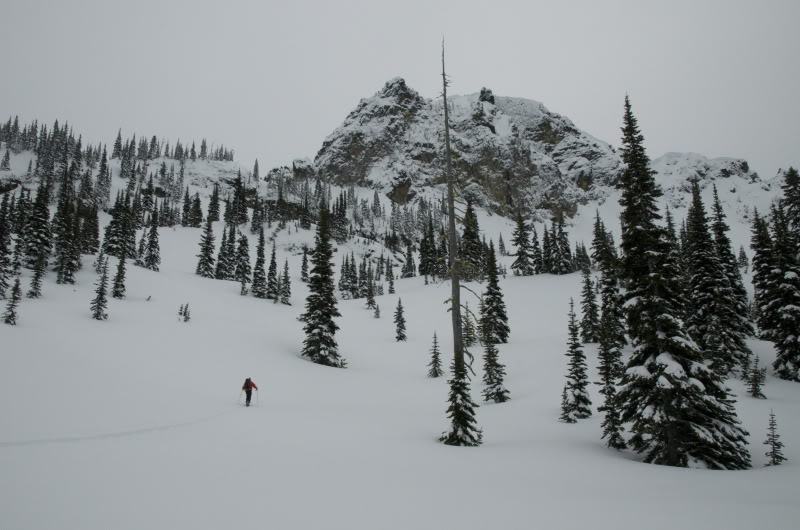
(508, 152)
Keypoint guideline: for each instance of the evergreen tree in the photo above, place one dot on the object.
(679, 410)
(243, 271)
(39, 271)
(566, 410)
(590, 323)
(494, 320)
(205, 265)
(187, 316)
(743, 262)
(37, 237)
(259, 287)
(578, 403)
(273, 286)
(610, 368)
(100, 302)
(10, 315)
(756, 376)
(783, 297)
(400, 322)
(471, 252)
(775, 452)
(501, 246)
(761, 243)
(118, 289)
(304, 266)
(152, 252)
(286, 285)
(791, 198)
(711, 299)
(493, 373)
(469, 335)
(213, 204)
(435, 366)
(409, 267)
(320, 343)
(537, 259)
(370, 295)
(547, 253)
(377, 313)
(523, 265)
(390, 277)
(563, 263)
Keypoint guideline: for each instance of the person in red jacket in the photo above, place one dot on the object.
(248, 387)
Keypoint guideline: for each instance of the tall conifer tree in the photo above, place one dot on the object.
(320, 344)
(679, 411)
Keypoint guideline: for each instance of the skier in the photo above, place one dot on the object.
(248, 387)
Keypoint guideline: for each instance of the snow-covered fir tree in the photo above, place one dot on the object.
(762, 266)
(523, 264)
(205, 264)
(435, 366)
(10, 313)
(755, 378)
(743, 262)
(286, 285)
(100, 301)
(242, 272)
(470, 336)
(679, 411)
(118, 288)
(590, 321)
(304, 266)
(320, 344)
(461, 411)
(273, 285)
(775, 452)
(494, 373)
(399, 322)
(578, 404)
(152, 252)
(39, 271)
(712, 301)
(782, 296)
(471, 252)
(259, 288)
(493, 318)
(610, 368)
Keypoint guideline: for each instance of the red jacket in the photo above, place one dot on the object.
(252, 385)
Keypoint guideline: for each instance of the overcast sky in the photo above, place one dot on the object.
(273, 79)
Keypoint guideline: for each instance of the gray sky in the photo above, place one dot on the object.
(272, 79)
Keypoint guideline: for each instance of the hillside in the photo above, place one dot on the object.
(134, 423)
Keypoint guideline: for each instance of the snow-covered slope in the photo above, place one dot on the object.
(133, 422)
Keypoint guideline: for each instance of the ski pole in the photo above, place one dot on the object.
(239, 399)
(256, 397)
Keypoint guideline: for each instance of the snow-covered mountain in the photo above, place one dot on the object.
(509, 152)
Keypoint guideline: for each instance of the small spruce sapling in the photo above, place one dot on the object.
(775, 452)
(435, 366)
(186, 314)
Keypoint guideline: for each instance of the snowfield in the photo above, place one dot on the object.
(133, 422)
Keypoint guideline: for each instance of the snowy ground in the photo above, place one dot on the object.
(133, 423)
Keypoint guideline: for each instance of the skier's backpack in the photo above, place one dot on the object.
(247, 384)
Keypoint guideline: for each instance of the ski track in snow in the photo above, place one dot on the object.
(110, 435)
